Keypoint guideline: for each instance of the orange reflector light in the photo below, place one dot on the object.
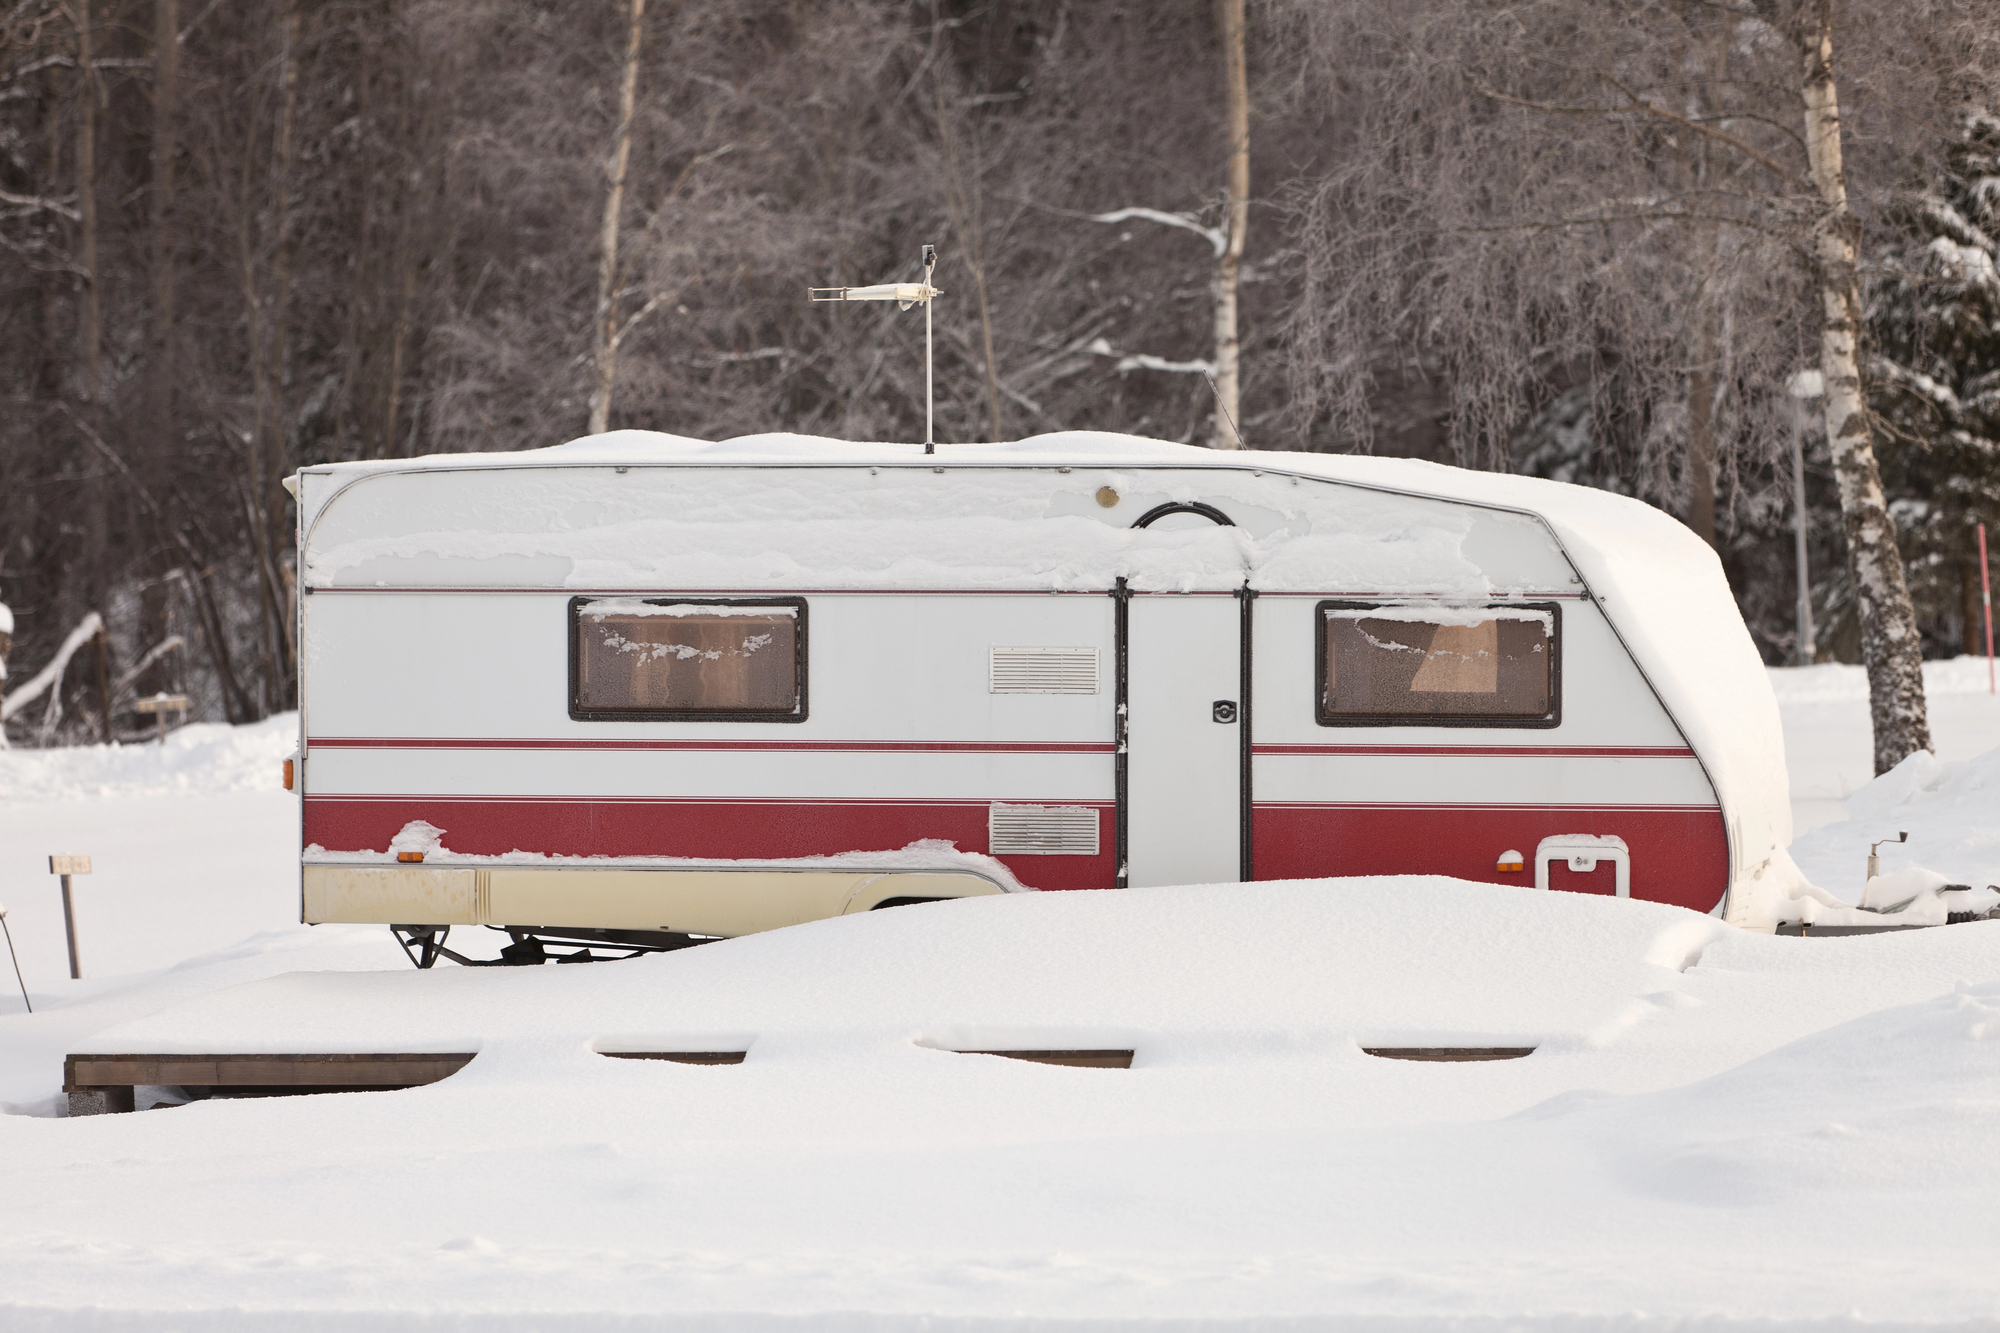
(409, 856)
(1511, 861)
(288, 775)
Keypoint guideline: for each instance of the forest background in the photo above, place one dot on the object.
(1568, 238)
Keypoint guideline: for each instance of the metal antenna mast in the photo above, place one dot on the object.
(905, 295)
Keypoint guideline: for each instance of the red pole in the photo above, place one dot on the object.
(1986, 600)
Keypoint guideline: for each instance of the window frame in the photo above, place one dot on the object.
(575, 622)
(1512, 721)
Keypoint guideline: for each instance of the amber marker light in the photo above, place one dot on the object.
(409, 857)
(1511, 862)
(288, 775)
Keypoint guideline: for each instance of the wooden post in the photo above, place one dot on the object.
(159, 706)
(65, 866)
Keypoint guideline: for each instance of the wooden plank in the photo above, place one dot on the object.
(100, 1101)
(1075, 1059)
(1449, 1052)
(682, 1057)
(307, 1070)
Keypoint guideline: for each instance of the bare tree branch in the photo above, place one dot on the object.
(31, 201)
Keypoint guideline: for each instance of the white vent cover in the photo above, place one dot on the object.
(1041, 830)
(1043, 671)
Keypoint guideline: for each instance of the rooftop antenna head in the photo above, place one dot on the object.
(905, 295)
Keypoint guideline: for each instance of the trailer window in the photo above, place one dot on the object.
(1434, 666)
(709, 661)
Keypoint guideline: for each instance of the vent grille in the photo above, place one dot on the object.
(1041, 830)
(1043, 671)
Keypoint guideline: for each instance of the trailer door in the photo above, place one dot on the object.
(1184, 734)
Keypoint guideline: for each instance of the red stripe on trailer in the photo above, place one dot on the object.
(1680, 854)
(722, 743)
(1506, 751)
(702, 829)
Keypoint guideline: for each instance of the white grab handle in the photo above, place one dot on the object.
(1582, 851)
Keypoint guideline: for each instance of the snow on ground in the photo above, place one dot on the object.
(1825, 712)
(1719, 1129)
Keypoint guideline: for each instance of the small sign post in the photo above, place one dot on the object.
(159, 706)
(66, 866)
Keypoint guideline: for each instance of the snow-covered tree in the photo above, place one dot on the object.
(1934, 326)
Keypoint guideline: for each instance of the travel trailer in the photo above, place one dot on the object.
(636, 691)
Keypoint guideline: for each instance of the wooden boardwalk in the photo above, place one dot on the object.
(100, 1084)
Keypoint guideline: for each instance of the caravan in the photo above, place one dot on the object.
(637, 690)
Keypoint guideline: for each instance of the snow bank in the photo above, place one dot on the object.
(1833, 682)
(199, 759)
(1897, 1104)
(1253, 1165)
(1721, 1130)
(1396, 961)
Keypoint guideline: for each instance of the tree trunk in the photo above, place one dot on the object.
(409, 181)
(160, 333)
(277, 648)
(275, 361)
(1229, 266)
(614, 204)
(1889, 644)
(969, 222)
(277, 449)
(1701, 426)
(55, 283)
(96, 500)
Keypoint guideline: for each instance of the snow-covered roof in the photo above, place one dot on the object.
(1660, 586)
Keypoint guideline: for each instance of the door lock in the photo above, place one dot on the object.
(1225, 710)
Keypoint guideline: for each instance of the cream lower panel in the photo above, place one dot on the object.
(696, 902)
(725, 775)
(389, 895)
(1479, 780)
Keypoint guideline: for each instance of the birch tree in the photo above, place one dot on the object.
(609, 333)
(1224, 371)
(1236, 209)
(1890, 647)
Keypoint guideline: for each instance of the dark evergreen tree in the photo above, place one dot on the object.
(1934, 321)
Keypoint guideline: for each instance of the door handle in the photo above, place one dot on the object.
(1224, 710)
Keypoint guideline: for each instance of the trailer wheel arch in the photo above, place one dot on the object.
(903, 889)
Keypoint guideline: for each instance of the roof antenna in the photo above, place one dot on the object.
(905, 295)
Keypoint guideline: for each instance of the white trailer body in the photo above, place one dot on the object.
(640, 683)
